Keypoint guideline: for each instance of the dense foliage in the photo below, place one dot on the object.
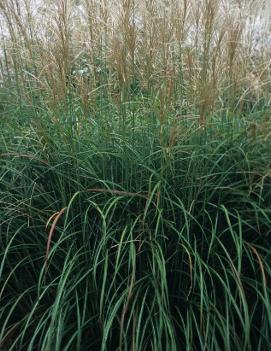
(114, 244)
(135, 176)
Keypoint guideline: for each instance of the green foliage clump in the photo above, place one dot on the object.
(134, 242)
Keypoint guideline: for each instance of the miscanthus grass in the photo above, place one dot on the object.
(135, 175)
(111, 245)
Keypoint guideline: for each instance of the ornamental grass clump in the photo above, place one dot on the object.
(135, 175)
(142, 246)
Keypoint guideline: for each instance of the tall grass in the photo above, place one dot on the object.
(188, 57)
(135, 246)
(134, 176)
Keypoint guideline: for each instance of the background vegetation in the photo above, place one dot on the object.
(135, 179)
